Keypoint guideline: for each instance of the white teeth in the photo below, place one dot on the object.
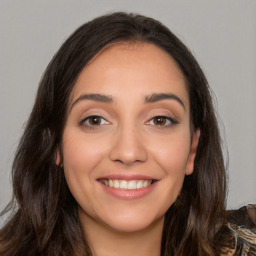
(131, 184)
(123, 184)
(139, 184)
(116, 184)
(145, 183)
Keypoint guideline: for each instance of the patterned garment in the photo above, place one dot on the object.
(239, 232)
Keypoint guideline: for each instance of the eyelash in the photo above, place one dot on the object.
(166, 119)
(169, 120)
(85, 122)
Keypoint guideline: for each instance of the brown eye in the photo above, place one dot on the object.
(162, 121)
(159, 120)
(94, 121)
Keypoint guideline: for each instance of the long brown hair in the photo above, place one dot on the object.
(45, 219)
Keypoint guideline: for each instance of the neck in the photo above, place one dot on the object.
(105, 241)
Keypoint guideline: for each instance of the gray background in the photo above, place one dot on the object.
(220, 33)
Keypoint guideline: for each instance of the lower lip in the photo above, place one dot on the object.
(128, 194)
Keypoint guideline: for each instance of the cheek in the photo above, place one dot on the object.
(172, 157)
(172, 153)
(81, 152)
(80, 160)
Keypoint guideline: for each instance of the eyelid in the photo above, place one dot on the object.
(82, 122)
(172, 121)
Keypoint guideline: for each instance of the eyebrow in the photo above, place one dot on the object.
(93, 96)
(155, 97)
(163, 96)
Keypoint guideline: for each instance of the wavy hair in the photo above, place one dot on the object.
(44, 219)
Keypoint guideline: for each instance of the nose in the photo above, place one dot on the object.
(128, 147)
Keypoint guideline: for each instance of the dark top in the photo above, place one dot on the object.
(240, 232)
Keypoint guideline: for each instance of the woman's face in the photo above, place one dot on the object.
(127, 142)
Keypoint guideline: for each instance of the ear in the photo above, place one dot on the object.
(58, 160)
(192, 154)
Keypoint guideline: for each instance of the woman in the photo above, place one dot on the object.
(121, 153)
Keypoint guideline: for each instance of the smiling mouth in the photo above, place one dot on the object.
(127, 184)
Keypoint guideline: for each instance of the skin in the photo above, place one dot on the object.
(127, 139)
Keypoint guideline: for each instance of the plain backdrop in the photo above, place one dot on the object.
(220, 33)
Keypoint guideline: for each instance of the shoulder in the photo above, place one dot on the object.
(239, 232)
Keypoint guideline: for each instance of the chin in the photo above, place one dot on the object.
(132, 225)
(131, 220)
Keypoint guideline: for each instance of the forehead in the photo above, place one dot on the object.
(130, 66)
